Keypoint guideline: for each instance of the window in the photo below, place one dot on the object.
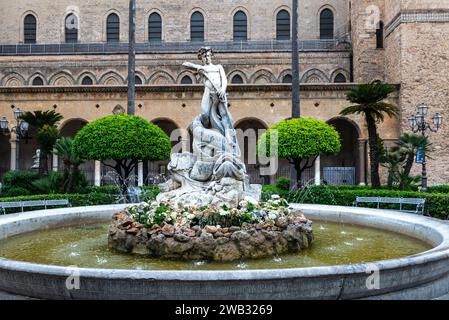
(29, 29)
(138, 81)
(186, 80)
(326, 24)
(113, 28)
(38, 81)
(283, 25)
(237, 79)
(197, 27)
(240, 26)
(340, 78)
(71, 28)
(380, 36)
(287, 78)
(87, 81)
(155, 28)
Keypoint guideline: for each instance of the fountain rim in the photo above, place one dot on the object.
(438, 229)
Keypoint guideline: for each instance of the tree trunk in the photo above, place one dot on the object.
(297, 165)
(374, 159)
(407, 169)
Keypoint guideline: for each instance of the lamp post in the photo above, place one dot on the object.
(20, 129)
(296, 102)
(132, 58)
(417, 124)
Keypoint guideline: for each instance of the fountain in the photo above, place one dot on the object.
(208, 210)
(209, 237)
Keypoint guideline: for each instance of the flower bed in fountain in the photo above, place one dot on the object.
(211, 233)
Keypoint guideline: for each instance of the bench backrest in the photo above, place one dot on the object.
(367, 199)
(62, 202)
(16, 204)
(33, 203)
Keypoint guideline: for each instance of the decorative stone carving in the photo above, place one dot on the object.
(214, 172)
(36, 159)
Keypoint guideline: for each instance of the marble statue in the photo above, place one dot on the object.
(36, 159)
(214, 173)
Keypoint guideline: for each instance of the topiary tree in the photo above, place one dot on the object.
(124, 139)
(300, 141)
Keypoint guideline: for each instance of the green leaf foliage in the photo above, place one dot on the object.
(300, 138)
(122, 137)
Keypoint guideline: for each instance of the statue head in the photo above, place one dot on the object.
(205, 54)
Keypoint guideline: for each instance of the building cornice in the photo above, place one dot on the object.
(417, 16)
(176, 88)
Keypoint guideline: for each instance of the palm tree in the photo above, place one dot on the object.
(407, 146)
(71, 160)
(368, 100)
(45, 124)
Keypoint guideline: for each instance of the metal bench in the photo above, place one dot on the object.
(33, 203)
(418, 202)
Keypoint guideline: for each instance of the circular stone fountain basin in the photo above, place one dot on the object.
(424, 275)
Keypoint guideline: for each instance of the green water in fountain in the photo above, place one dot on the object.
(86, 246)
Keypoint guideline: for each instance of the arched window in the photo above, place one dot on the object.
(155, 27)
(186, 80)
(287, 78)
(71, 28)
(197, 26)
(340, 78)
(240, 26)
(380, 36)
(87, 81)
(237, 79)
(29, 29)
(113, 28)
(283, 25)
(38, 81)
(326, 24)
(138, 80)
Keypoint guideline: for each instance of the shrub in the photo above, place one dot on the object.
(439, 189)
(19, 179)
(15, 191)
(283, 184)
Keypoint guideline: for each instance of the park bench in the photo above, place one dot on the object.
(401, 202)
(33, 203)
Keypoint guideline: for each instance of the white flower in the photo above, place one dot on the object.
(243, 204)
(191, 216)
(275, 197)
(154, 204)
(272, 216)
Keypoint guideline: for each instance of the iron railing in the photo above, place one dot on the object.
(170, 47)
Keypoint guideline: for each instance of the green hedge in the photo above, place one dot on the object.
(437, 204)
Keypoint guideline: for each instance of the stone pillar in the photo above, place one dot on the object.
(140, 173)
(361, 161)
(97, 173)
(55, 162)
(14, 151)
(318, 171)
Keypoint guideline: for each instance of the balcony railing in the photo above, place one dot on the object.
(171, 47)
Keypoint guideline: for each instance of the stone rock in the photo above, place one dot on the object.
(210, 229)
(234, 229)
(133, 231)
(168, 230)
(219, 234)
(181, 237)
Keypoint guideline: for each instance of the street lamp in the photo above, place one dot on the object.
(418, 123)
(20, 129)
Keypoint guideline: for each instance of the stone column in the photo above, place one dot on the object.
(97, 173)
(140, 173)
(318, 171)
(361, 162)
(14, 151)
(55, 163)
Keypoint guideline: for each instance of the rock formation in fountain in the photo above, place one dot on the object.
(213, 174)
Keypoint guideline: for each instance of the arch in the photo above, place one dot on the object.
(37, 75)
(112, 26)
(197, 25)
(315, 76)
(161, 77)
(240, 26)
(239, 73)
(148, 14)
(112, 78)
(71, 27)
(248, 19)
(13, 79)
(283, 23)
(29, 27)
(66, 125)
(61, 78)
(239, 123)
(168, 126)
(283, 74)
(380, 35)
(337, 72)
(186, 80)
(84, 74)
(154, 27)
(71, 10)
(327, 23)
(262, 77)
(187, 73)
(349, 156)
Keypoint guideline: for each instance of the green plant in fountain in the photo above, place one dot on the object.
(45, 123)
(124, 139)
(368, 101)
(301, 141)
